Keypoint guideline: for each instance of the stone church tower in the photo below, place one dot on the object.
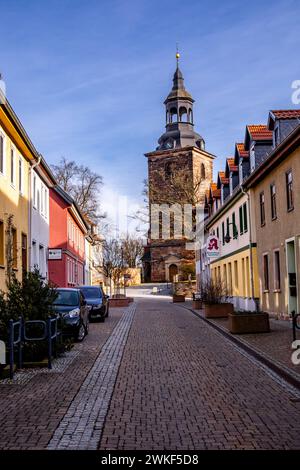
(180, 156)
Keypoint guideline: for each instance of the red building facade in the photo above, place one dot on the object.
(68, 229)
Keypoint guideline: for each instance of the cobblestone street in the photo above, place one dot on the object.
(154, 376)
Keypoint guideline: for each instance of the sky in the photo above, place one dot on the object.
(88, 78)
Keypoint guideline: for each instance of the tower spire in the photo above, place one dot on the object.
(177, 55)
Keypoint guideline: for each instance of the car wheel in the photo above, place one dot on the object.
(81, 333)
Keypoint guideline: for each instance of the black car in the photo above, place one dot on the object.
(71, 305)
(97, 302)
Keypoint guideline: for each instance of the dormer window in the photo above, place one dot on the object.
(276, 136)
(252, 157)
(241, 177)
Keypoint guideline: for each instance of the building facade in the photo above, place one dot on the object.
(42, 180)
(276, 201)
(254, 219)
(179, 173)
(68, 228)
(17, 156)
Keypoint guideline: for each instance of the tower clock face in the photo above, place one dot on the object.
(170, 144)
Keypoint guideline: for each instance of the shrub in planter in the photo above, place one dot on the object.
(31, 299)
(249, 322)
(214, 292)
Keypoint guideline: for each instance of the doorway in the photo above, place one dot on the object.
(292, 293)
(173, 271)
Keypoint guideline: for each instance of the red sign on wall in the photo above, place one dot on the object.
(212, 246)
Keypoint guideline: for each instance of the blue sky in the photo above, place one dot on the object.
(88, 78)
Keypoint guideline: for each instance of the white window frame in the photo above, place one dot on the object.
(21, 175)
(3, 135)
(12, 180)
(34, 190)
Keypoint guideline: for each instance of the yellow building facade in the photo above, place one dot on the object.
(236, 264)
(17, 155)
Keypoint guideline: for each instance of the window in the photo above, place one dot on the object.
(34, 255)
(262, 208)
(12, 166)
(45, 202)
(14, 248)
(276, 136)
(245, 217)
(24, 254)
(38, 200)
(273, 201)
(241, 219)
(266, 272)
(42, 200)
(289, 190)
(227, 227)
(41, 260)
(20, 176)
(236, 277)
(218, 234)
(277, 282)
(1, 153)
(1, 243)
(223, 233)
(34, 191)
(234, 229)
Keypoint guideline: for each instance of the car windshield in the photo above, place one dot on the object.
(68, 298)
(91, 292)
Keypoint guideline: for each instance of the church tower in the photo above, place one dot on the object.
(179, 172)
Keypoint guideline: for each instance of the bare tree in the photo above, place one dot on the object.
(112, 261)
(83, 185)
(133, 250)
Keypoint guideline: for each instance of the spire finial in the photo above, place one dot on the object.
(177, 54)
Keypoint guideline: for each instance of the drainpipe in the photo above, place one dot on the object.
(250, 250)
(32, 167)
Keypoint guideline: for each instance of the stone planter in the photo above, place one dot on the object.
(218, 310)
(178, 298)
(197, 304)
(122, 302)
(249, 322)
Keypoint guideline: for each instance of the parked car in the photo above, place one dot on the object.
(97, 301)
(71, 305)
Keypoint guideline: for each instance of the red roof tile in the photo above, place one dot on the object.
(286, 113)
(241, 149)
(231, 165)
(259, 132)
(223, 180)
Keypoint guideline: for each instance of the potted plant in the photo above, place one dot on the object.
(214, 293)
(249, 322)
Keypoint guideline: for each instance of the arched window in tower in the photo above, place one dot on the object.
(191, 116)
(168, 170)
(203, 175)
(173, 115)
(183, 116)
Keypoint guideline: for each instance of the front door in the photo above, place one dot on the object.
(173, 271)
(292, 293)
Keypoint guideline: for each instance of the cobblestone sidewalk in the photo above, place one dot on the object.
(32, 407)
(82, 425)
